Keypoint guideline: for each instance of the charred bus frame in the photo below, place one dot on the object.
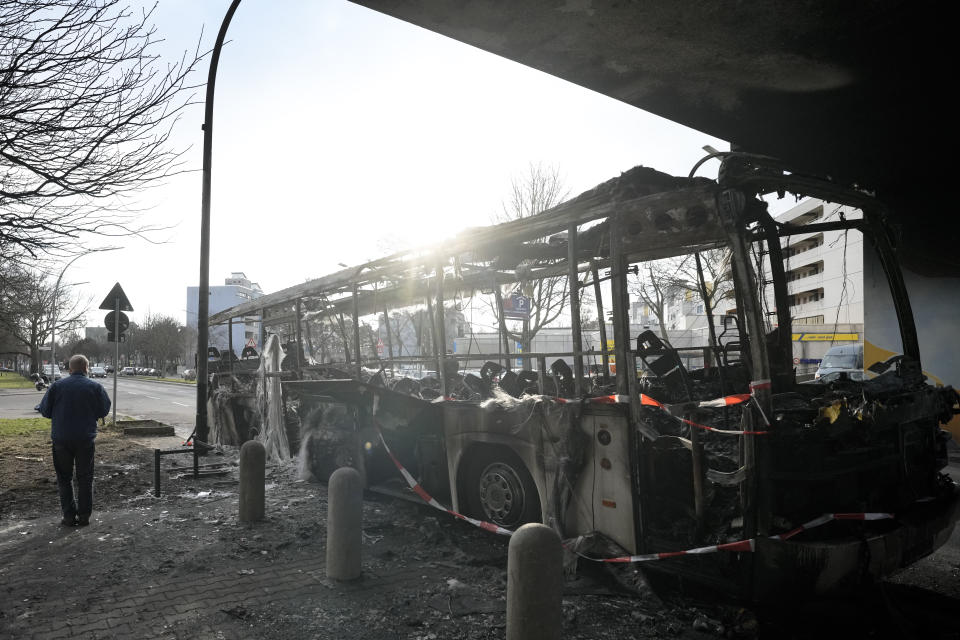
(637, 476)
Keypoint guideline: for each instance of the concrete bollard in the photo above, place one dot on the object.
(344, 524)
(534, 584)
(253, 459)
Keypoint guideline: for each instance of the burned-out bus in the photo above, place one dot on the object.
(730, 474)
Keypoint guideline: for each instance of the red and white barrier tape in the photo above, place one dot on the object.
(745, 546)
(647, 401)
(732, 432)
(726, 401)
(616, 399)
(426, 497)
(827, 517)
(742, 545)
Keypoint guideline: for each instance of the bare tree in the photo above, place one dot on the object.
(27, 311)
(652, 285)
(541, 188)
(10, 346)
(717, 276)
(86, 111)
(187, 348)
(659, 281)
(538, 190)
(410, 332)
(160, 340)
(131, 351)
(331, 338)
(93, 349)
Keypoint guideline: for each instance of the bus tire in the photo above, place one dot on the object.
(498, 488)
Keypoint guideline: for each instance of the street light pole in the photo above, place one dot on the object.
(56, 295)
(53, 319)
(201, 429)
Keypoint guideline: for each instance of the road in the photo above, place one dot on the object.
(167, 402)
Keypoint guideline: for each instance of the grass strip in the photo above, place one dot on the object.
(15, 381)
(13, 427)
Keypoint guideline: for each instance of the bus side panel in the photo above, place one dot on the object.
(602, 495)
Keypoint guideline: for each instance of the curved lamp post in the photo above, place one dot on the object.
(53, 315)
(201, 429)
(53, 320)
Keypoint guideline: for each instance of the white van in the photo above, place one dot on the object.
(52, 371)
(846, 358)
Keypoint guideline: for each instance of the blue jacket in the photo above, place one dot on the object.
(74, 404)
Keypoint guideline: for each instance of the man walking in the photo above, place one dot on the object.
(74, 404)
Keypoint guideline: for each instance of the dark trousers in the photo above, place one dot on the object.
(66, 455)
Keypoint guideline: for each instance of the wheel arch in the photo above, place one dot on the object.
(519, 452)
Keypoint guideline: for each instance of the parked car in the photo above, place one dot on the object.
(109, 368)
(128, 371)
(98, 372)
(52, 372)
(845, 359)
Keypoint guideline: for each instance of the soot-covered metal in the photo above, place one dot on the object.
(734, 456)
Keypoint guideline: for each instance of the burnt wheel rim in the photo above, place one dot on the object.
(501, 494)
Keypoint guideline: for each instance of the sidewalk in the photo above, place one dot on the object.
(183, 567)
(222, 602)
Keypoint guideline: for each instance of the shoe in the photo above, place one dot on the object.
(68, 521)
(83, 521)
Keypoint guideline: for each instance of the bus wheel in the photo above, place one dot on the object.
(499, 489)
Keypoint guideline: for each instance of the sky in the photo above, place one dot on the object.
(342, 134)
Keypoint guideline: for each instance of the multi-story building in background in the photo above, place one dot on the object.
(824, 269)
(824, 272)
(235, 290)
(682, 309)
(95, 333)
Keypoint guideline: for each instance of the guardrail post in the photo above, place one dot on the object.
(344, 524)
(534, 584)
(253, 458)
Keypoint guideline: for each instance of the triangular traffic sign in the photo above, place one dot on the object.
(110, 302)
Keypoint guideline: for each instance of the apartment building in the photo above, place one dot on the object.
(236, 289)
(825, 286)
(824, 269)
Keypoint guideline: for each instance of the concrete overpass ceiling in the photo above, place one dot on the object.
(849, 89)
